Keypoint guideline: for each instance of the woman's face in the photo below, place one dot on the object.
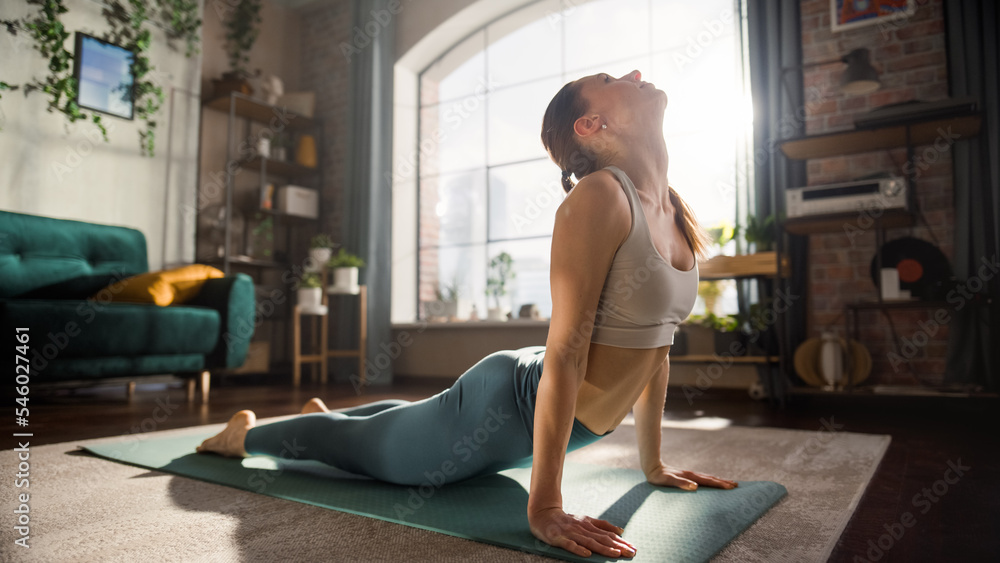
(622, 101)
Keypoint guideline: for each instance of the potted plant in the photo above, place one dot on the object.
(710, 291)
(448, 303)
(760, 333)
(760, 234)
(320, 249)
(728, 337)
(345, 272)
(501, 271)
(260, 243)
(310, 294)
(714, 334)
(242, 26)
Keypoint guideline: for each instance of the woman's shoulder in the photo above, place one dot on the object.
(600, 190)
(598, 203)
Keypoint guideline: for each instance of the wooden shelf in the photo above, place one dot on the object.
(248, 261)
(846, 222)
(865, 140)
(692, 358)
(287, 216)
(261, 112)
(284, 169)
(742, 266)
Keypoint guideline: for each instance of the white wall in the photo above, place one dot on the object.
(48, 167)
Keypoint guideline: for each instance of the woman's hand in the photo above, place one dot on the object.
(665, 476)
(579, 535)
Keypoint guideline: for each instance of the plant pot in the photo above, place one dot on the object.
(700, 340)
(495, 314)
(729, 344)
(345, 280)
(231, 82)
(318, 257)
(310, 298)
(680, 345)
(762, 343)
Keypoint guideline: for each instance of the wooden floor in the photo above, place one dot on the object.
(956, 521)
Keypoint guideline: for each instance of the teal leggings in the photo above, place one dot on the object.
(482, 424)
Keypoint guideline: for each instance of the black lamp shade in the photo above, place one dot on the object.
(859, 77)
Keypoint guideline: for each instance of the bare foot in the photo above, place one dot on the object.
(314, 405)
(229, 442)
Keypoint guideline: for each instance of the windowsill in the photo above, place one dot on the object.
(513, 324)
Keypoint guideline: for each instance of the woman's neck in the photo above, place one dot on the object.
(645, 161)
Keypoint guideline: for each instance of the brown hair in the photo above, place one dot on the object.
(560, 141)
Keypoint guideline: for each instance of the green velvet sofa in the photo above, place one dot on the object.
(50, 267)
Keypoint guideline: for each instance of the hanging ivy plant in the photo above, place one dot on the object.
(129, 28)
(242, 28)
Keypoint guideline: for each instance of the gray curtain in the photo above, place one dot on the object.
(774, 45)
(368, 193)
(973, 63)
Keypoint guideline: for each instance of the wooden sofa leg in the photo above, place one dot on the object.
(206, 381)
(130, 390)
(189, 390)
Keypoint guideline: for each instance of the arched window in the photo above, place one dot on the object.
(485, 183)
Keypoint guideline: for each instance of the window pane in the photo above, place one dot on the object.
(515, 124)
(525, 45)
(690, 25)
(453, 209)
(531, 268)
(703, 171)
(462, 267)
(458, 73)
(453, 136)
(604, 31)
(702, 93)
(523, 199)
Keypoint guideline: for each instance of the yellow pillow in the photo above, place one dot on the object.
(161, 288)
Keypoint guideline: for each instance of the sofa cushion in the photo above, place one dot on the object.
(70, 369)
(166, 287)
(36, 252)
(67, 329)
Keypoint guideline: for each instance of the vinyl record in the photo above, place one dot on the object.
(923, 268)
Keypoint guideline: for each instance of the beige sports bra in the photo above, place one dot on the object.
(644, 297)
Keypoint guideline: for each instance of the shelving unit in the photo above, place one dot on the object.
(741, 267)
(256, 118)
(905, 133)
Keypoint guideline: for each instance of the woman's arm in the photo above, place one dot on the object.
(648, 412)
(590, 225)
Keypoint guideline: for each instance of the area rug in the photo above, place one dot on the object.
(87, 509)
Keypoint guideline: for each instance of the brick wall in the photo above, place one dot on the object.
(911, 59)
(326, 71)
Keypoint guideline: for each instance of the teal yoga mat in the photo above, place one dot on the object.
(665, 524)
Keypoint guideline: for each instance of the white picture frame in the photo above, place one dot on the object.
(892, 11)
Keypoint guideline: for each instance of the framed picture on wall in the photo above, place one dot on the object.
(104, 77)
(850, 14)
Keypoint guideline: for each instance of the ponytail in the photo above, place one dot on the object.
(696, 236)
(567, 182)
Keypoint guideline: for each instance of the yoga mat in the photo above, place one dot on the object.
(665, 524)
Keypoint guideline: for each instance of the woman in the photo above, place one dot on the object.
(623, 275)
